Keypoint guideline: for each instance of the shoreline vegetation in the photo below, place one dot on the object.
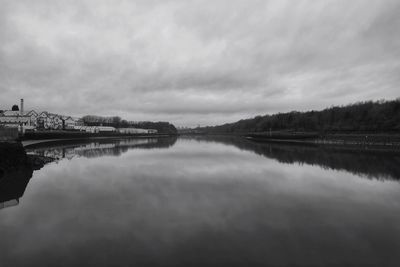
(360, 124)
(354, 140)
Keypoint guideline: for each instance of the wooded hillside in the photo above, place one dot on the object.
(379, 116)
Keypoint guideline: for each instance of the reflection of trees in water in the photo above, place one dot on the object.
(93, 149)
(16, 169)
(377, 164)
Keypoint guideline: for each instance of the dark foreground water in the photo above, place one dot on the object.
(203, 202)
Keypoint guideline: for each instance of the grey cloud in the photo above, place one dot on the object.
(194, 61)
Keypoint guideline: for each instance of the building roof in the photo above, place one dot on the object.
(11, 113)
(69, 118)
(14, 118)
(32, 112)
(17, 113)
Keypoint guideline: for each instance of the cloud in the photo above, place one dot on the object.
(195, 61)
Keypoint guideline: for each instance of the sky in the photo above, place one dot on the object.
(197, 62)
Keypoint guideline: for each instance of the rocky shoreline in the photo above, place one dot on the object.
(13, 158)
(16, 170)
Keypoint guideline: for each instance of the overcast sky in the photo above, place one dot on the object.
(197, 62)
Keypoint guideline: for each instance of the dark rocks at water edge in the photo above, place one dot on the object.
(37, 162)
(16, 170)
(14, 158)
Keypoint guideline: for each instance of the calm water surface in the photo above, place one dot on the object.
(205, 202)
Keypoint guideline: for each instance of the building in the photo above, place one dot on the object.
(88, 129)
(17, 118)
(50, 121)
(136, 131)
(32, 120)
(44, 121)
(33, 115)
(68, 123)
(56, 121)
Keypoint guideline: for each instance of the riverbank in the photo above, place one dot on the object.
(13, 157)
(391, 141)
(33, 138)
(41, 135)
(31, 143)
(16, 169)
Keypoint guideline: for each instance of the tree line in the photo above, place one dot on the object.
(117, 122)
(371, 116)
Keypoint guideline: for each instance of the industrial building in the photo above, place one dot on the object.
(32, 120)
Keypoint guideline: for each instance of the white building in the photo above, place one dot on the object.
(15, 121)
(49, 121)
(19, 118)
(34, 120)
(68, 123)
(136, 131)
(16, 118)
(44, 121)
(33, 115)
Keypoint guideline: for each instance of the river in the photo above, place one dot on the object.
(202, 201)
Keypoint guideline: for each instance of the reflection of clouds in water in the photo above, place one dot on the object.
(206, 204)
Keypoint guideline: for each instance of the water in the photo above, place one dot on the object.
(205, 202)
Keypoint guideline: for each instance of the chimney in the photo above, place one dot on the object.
(22, 106)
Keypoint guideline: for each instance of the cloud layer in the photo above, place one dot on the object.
(195, 61)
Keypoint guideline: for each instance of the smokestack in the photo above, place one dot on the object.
(22, 106)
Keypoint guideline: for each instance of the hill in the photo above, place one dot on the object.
(371, 116)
